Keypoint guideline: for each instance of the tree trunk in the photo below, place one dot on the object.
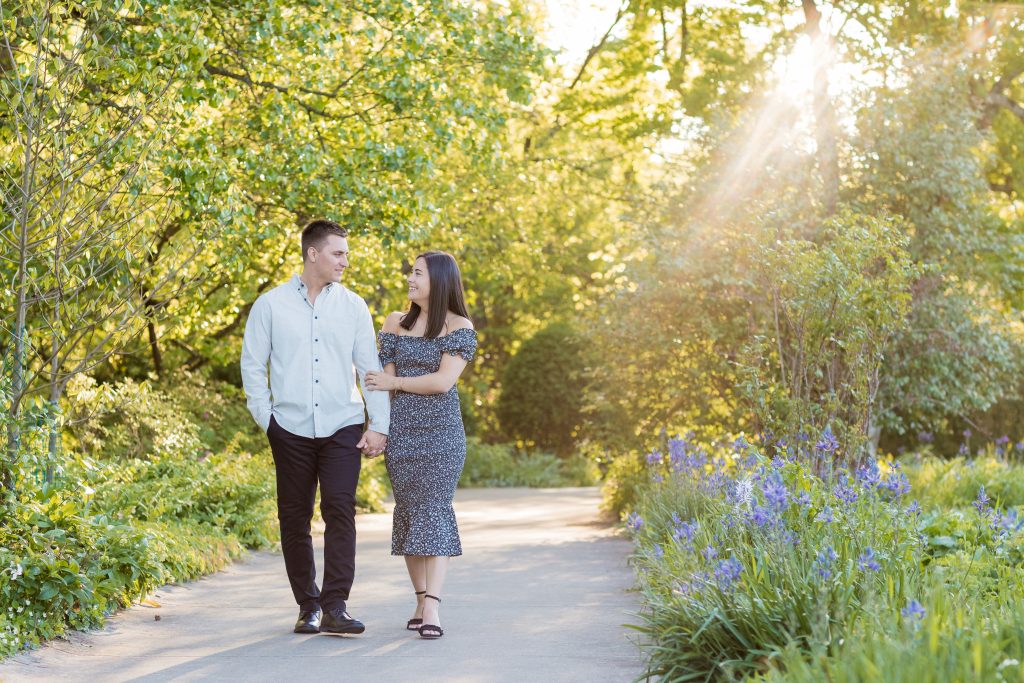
(154, 345)
(826, 129)
(54, 443)
(24, 195)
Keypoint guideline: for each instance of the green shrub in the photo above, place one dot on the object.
(957, 481)
(541, 399)
(504, 465)
(374, 486)
(627, 476)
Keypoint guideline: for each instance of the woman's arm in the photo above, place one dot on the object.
(439, 382)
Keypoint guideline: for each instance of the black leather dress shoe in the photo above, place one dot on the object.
(340, 621)
(309, 621)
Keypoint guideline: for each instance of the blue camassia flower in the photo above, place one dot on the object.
(727, 572)
(634, 521)
(914, 611)
(981, 503)
(823, 562)
(761, 515)
(869, 476)
(683, 531)
(867, 560)
(827, 444)
(775, 492)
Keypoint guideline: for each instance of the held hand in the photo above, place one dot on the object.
(379, 381)
(372, 443)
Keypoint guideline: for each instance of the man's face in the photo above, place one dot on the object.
(331, 259)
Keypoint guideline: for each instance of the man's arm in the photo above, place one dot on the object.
(255, 356)
(365, 359)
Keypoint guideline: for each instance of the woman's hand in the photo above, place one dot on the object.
(380, 381)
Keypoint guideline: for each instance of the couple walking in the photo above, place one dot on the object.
(317, 338)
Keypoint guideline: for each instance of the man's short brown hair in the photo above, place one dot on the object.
(315, 234)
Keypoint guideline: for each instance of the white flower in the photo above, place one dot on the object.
(744, 492)
(1007, 662)
(16, 572)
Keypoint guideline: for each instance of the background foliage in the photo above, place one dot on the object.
(731, 217)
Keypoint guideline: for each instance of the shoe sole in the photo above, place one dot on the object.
(307, 630)
(345, 630)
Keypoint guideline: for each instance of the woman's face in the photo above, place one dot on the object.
(419, 282)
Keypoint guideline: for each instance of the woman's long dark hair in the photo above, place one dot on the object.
(445, 293)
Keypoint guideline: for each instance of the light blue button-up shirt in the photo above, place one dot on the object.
(316, 352)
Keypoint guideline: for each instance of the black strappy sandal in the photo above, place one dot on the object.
(414, 624)
(431, 631)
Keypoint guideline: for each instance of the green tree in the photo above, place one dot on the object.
(82, 120)
(541, 394)
(920, 159)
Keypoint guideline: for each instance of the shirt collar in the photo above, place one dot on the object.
(298, 284)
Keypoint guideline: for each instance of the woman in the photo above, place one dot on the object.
(423, 352)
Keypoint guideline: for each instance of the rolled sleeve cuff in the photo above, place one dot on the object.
(379, 426)
(263, 420)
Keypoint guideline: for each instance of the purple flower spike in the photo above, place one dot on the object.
(982, 501)
(634, 521)
(727, 572)
(828, 443)
(761, 516)
(913, 611)
(823, 562)
(867, 561)
(775, 493)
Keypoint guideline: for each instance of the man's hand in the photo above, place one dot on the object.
(373, 443)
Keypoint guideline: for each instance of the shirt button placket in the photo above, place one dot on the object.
(316, 373)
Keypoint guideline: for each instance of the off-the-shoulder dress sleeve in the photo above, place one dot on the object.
(461, 342)
(388, 347)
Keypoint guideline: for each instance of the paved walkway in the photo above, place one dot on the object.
(540, 596)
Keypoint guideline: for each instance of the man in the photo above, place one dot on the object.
(313, 331)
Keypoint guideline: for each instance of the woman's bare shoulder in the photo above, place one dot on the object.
(391, 323)
(457, 322)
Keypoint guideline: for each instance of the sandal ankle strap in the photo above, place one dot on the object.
(420, 593)
(433, 597)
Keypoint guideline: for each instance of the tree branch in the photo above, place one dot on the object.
(599, 45)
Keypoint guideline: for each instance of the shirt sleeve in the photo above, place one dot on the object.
(365, 359)
(255, 357)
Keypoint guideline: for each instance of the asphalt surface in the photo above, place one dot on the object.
(541, 595)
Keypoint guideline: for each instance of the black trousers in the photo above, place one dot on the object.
(301, 462)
